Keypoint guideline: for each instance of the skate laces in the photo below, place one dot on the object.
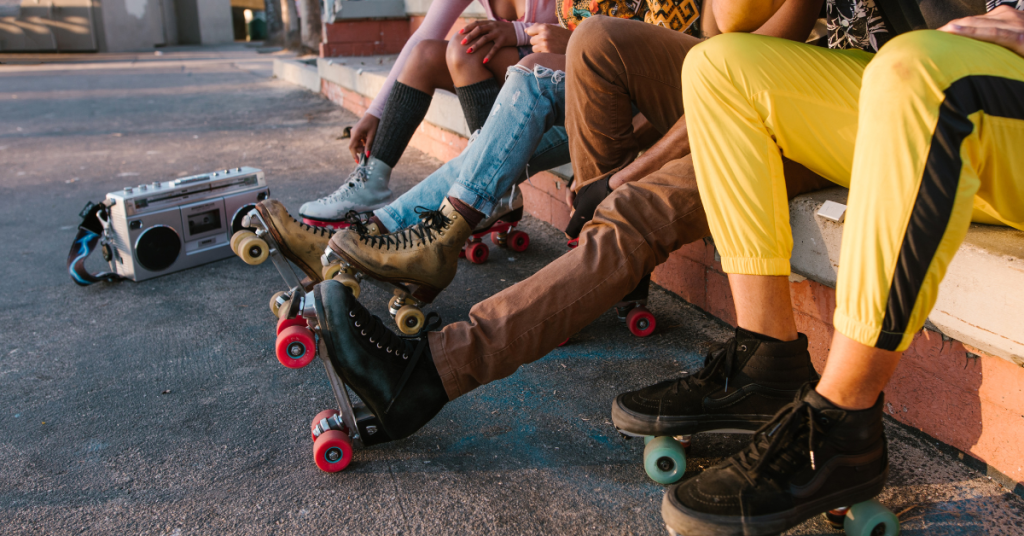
(783, 444)
(377, 333)
(431, 223)
(322, 231)
(720, 361)
(357, 221)
(355, 180)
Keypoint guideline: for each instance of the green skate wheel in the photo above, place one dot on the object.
(664, 460)
(870, 518)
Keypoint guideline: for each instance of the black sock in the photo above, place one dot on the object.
(477, 100)
(743, 334)
(404, 111)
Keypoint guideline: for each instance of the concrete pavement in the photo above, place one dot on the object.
(159, 408)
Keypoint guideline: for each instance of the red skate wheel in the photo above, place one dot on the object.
(518, 241)
(332, 451)
(499, 239)
(563, 343)
(573, 243)
(640, 322)
(477, 253)
(325, 414)
(286, 323)
(295, 347)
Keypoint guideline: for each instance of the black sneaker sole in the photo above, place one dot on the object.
(633, 423)
(682, 520)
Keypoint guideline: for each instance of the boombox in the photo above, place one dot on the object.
(163, 227)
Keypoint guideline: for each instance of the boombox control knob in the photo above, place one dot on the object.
(128, 190)
(142, 188)
(156, 185)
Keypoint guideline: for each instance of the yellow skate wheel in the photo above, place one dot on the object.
(409, 319)
(238, 237)
(253, 250)
(331, 270)
(274, 307)
(348, 281)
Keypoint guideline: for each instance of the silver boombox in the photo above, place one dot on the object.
(163, 227)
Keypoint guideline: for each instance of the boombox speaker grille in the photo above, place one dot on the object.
(157, 248)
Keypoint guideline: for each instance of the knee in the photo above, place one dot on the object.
(592, 33)
(427, 56)
(910, 62)
(458, 60)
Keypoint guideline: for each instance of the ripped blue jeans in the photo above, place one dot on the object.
(523, 135)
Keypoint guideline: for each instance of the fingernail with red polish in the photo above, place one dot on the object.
(487, 60)
(470, 51)
(462, 31)
(464, 41)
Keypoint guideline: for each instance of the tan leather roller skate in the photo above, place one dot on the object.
(415, 263)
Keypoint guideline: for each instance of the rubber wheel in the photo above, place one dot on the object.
(870, 518)
(253, 250)
(238, 237)
(332, 451)
(331, 270)
(295, 347)
(348, 281)
(286, 323)
(499, 239)
(640, 322)
(477, 253)
(274, 307)
(518, 241)
(320, 416)
(409, 319)
(664, 460)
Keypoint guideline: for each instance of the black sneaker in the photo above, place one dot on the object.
(812, 457)
(744, 382)
(394, 375)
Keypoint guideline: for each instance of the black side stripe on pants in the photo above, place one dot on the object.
(995, 96)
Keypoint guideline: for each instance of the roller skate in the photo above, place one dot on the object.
(811, 458)
(741, 386)
(394, 377)
(365, 190)
(633, 310)
(272, 233)
(415, 264)
(501, 228)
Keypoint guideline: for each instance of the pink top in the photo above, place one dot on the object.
(441, 16)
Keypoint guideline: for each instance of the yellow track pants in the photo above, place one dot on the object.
(928, 134)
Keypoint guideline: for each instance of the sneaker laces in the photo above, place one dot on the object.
(429, 228)
(719, 362)
(783, 444)
(355, 180)
(394, 344)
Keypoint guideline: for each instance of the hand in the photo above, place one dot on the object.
(550, 38)
(1003, 26)
(362, 135)
(570, 195)
(479, 33)
(584, 205)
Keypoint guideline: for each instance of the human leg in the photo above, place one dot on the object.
(610, 64)
(477, 83)
(770, 102)
(938, 116)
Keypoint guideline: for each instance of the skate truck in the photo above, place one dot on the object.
(335, 432)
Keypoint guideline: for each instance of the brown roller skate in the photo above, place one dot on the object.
(415, 263)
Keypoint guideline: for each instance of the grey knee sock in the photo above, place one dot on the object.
(404, 111)
(477, 100)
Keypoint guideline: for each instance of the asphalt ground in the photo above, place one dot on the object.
(159, 407)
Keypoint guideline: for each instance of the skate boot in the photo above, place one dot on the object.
(394, 376)
(417, 263)
(811, 458)
(277, 234)
(741, 386)
(366, 189)
(500, 226)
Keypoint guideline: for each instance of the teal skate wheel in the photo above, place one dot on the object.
(664, 460)
(870, 518)
(648, 439)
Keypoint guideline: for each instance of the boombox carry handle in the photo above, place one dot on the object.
(90, 233)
